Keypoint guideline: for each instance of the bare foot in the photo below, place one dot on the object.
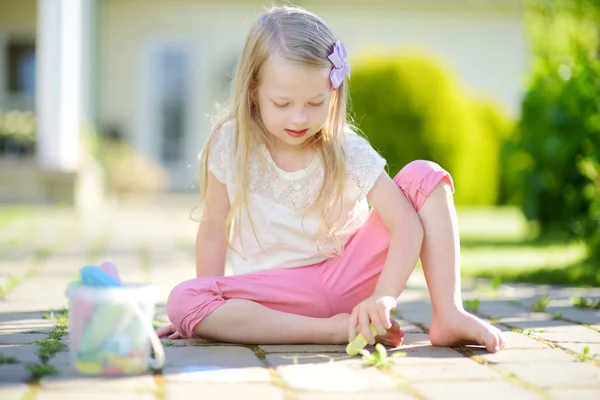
(460, 327)
(393, 337)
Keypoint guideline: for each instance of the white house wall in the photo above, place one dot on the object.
(487, 47)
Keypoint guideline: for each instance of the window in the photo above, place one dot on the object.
(20, 72)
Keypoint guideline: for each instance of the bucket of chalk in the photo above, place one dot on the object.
(110, 324)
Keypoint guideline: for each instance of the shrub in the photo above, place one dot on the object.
(410, 107)
(555, 160)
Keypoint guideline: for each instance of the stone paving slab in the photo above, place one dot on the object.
(541, 360)
(210, 390)
(354, 396)
(525, 356)
(575, 393)
(344, 376)
(547, 375)
(462, 369)
(490, 390)
(12, 391)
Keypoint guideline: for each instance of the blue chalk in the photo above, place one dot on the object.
(94, 276)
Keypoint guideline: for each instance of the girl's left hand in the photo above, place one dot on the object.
(376, 310)
(169, 331)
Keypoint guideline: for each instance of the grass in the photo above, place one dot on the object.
(498, 244)
(8, 214)
(7, 359)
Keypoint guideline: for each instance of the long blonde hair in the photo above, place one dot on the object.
(303, 38)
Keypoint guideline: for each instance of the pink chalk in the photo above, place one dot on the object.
(110, 269)
(81, 312)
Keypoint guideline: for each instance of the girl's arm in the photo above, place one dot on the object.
(406, 230)
(210, 242)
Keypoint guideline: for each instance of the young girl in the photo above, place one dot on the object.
(286, 185)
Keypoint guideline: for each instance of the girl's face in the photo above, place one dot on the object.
(293, 100)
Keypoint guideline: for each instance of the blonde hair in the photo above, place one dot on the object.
(299, 37)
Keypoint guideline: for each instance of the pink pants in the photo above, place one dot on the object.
(325, 289)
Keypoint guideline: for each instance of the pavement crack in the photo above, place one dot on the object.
(276, 379)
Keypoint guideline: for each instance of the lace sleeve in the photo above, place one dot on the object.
(218, 158)
(364, 164)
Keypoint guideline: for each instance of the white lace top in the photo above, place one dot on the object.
(278, 198)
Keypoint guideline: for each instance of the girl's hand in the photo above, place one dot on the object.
(168, 330)
(375, 309)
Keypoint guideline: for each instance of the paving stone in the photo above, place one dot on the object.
(209, 390)
(575, 393)
(532, 321)
(14, 373)
(219, 356)
(289, 358)
(565, 307)
(594, 348)
(460, 369)
(346, 376)
(214, 364)
(416, 339)
(395, 395)
(23, 353)
(515, 340)
(499, 309)
(26, 329)
(21, 338)
(34, 318)
(91, 384)
(13, 391)
(304, 348)
(492, 390)
(92, 395)
(569, 333)
(426, 354)
(208, 373)
(525, 356)
(407, 327)
(556, 374)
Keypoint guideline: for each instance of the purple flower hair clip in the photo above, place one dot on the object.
(340, 67)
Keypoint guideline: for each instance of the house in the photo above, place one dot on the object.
(151, 71)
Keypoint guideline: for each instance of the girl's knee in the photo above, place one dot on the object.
(419, 178)
(190, 301)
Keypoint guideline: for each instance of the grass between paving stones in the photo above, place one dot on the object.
(540, 304)
(47, 348)
(582, 302)
(8, 359)
(498, 244)
(276, 379)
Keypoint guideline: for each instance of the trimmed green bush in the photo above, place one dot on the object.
(410, 107)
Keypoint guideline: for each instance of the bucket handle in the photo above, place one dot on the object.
(159, 353)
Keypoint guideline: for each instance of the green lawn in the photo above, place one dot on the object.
(497, 244)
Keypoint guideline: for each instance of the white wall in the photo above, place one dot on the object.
(486, 47)
(488, 51)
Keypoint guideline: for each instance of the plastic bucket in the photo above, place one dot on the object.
(110, 329)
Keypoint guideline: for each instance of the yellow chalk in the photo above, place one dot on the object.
(359, 342)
